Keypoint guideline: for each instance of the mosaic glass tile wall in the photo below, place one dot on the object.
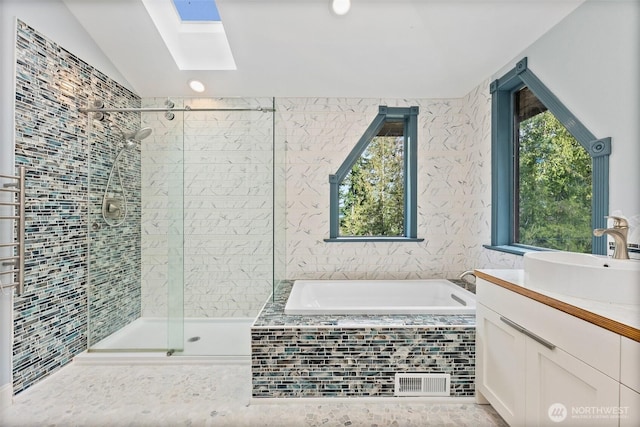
(358, 361)
(52, 141)
(114, 262)
(357, 355)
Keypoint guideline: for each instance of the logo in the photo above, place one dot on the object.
(557, 412)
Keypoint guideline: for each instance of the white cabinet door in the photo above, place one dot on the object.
(562, 388)
(630, 363)
(500, 365)
(629, 407)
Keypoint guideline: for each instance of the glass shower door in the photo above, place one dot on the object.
(135, 277)
(114, 233)
(175, 247)
(162, 241)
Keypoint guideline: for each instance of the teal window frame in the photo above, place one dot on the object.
(502, 154)
(410, 117)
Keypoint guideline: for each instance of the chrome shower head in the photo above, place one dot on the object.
(137, 135)
(131, 138)
(142, 134)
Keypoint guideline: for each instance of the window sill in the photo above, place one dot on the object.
(513, 249)
(373, 239)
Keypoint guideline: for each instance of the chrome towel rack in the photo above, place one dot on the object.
(15, 186)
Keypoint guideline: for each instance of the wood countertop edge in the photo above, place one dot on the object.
(586, 315)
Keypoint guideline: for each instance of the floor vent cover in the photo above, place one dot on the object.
(423, 385)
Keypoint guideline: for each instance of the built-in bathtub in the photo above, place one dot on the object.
(357, 355)
(434, 296)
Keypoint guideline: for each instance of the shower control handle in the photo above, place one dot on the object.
(113, 208)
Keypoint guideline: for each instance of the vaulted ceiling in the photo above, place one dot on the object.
(390, 48)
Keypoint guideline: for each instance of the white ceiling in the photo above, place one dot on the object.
(298, 48)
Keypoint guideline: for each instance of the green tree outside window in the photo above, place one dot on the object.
(554, 186)
(372, 193)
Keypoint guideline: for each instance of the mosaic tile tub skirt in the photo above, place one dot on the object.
(356, 356)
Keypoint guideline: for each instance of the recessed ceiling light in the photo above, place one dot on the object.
(340, 7)
(196, 85)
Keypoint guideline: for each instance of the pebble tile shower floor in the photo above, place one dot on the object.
(207, 395)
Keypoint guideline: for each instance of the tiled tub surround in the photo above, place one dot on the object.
(52, 141)
(356, 355)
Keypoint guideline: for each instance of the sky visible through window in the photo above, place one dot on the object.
(197, 10)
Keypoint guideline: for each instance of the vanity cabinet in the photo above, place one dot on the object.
(630, 382)
(534, 362)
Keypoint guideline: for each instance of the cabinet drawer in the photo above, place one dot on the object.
(592, 344)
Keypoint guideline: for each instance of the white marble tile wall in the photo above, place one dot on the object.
(454, 188)
(228, 204)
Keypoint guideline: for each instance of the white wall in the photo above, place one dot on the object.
(591, 62)
(453, 187)
(52, 18)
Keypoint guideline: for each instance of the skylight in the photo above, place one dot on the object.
(193, 32)
(197, 10)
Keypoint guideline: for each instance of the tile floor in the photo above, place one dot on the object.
(206, 395)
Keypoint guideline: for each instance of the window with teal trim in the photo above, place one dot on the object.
(373, 195)
(549, 173)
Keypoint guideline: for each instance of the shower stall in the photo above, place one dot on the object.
(186, 224)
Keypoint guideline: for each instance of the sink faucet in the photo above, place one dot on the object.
(619, 233)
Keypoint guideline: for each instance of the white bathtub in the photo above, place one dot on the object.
(434, 296)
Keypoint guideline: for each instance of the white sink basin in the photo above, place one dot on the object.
(587, 276)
